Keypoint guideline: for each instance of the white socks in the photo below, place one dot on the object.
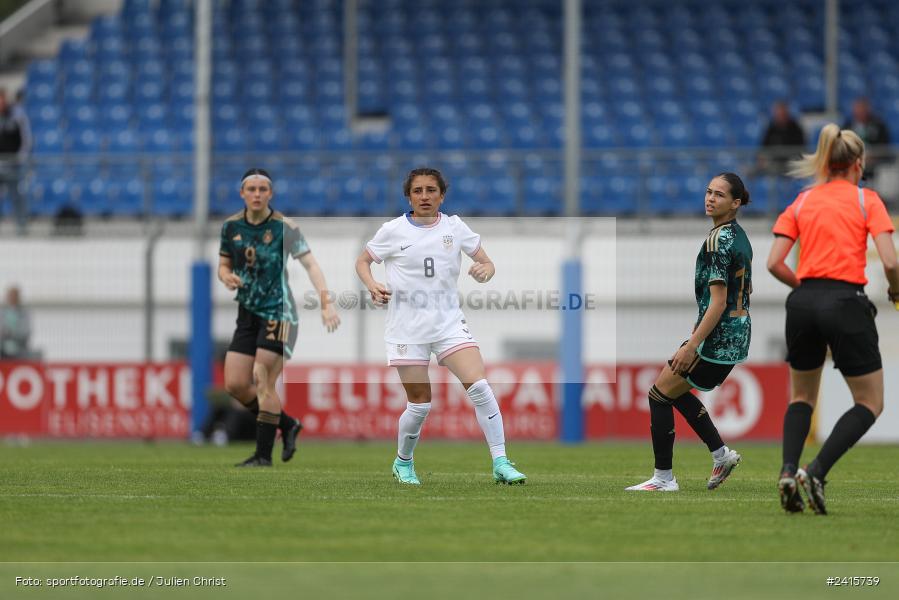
(719, 453)
(410, 428)
(489, 418)
(664, 474)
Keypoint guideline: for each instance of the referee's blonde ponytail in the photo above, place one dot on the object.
(837, 150)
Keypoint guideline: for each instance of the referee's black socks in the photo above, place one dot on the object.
(696, 415)
(661, 421)
(848, 430)
(797, 422)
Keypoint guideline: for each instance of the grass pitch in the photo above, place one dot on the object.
(571, 529)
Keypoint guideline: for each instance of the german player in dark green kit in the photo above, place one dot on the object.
(254, 247)
(720, 339)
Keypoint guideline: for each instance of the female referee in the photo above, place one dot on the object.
(422, 255)
(720, 339)
(828, 306)
(252, 261)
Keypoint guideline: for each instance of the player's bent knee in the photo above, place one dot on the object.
(656, 395)
(237, 388)
(260, 375)
(420, 398)
(875, 406)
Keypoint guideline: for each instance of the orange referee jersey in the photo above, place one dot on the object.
(833, 221)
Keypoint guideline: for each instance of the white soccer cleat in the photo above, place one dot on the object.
(722, 468)
(655, 484)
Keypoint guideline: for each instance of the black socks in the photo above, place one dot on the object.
(848, 430)
(698, 418)
(661, 418)
(797, 422)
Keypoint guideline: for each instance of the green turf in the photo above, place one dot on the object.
(338, 502)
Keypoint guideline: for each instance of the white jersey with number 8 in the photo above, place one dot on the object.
(422, 264)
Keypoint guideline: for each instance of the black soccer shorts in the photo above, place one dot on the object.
(254, 332)
(705, 375)
(838, 314)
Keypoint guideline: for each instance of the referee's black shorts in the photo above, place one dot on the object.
(255, 332)
(828, 312)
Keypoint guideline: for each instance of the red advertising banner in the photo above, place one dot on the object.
(750, 404)
(364, 401)
(346, 401)
(95, 400)
(360, 402)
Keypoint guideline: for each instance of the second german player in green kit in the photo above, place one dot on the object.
(720, 339)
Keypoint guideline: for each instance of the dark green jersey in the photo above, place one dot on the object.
(726, 257)
(257, 254)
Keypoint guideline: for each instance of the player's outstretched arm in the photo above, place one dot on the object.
(379, 292)
(330, 319)
(776, 265)
(887, 252)
(226, 275)
(483, 268)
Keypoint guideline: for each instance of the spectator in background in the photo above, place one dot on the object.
(873, 132)
(15, 146)
(783, 141)
(15, 327)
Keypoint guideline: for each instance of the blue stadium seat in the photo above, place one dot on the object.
(339, 138)
(57, 195)
(618, 195)
(266, 139)
(169, 198)
(43, 71)
(233, 139)
(711, 134)
(502, 196)
(374, 140)
(304, 137)
(467, 195)
(158, 141)
(485, 77)
(73, 50)
(124, 141)
(85, 141)
(542, 195)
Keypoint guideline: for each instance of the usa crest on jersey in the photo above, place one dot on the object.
(447, 241)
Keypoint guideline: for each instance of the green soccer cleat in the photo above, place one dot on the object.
(404, 472)
(504, 471)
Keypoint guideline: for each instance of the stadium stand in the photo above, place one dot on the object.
(673, 92)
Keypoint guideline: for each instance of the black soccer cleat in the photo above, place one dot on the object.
(290, 440)
(814, 489)
(255, 461)
(790, 498)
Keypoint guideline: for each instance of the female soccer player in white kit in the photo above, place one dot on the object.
(422, 255)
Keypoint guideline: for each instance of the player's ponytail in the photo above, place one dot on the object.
(737, 187)
(837, 150)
